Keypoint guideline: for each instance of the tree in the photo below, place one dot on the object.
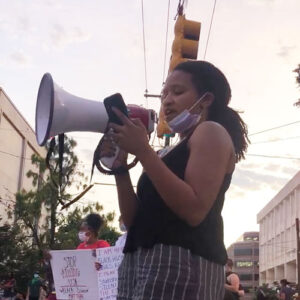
(22, 242)
(51, 192)
(297, 70)
(67, 234)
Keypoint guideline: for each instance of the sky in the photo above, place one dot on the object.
(95, 48)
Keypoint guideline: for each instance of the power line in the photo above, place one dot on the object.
(273, 128)
(11, 129)
(144, 45)
(277, 140)
(18, 156)
(166, 43)
(108, 184)
(211, 21)
(273, 156)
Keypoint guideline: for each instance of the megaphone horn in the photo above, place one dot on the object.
(58, 111)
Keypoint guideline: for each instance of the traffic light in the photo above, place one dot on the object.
(185, 44)
(184, 47)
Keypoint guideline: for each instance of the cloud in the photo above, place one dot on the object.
(260, 2)
(3, 25)
(87, 154)
(61, 36)
(23, 24)
(20, 58)
(285, 51)
(254, 181)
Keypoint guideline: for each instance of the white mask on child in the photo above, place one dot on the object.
(82, 236)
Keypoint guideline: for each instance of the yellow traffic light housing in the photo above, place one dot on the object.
(184, 47)
(185, 44)
(162, 126)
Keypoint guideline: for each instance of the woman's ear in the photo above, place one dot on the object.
(207, 100)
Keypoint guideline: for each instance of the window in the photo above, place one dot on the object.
(241, 252)
(244, 277)
(244, 264)
(256, 251)
(256, 277)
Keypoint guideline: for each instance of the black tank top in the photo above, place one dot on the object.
(155, 223)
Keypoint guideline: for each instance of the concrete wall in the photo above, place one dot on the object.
(278, 234)
(17, 144)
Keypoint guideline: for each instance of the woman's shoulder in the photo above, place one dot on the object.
(211, 126)
(211, 131)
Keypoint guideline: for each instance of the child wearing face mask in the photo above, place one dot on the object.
(88, 233)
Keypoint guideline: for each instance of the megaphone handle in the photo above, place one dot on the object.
(109, 161)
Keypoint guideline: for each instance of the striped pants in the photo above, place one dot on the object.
(171, 273)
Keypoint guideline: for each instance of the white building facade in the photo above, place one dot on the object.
(277, 239)
(17, 144)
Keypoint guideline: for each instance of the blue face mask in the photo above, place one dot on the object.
(185, 120)
(36, 275)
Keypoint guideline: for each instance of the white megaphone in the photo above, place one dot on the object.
(58, 111)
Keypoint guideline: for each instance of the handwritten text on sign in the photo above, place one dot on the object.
(75, 276)
(110, 259)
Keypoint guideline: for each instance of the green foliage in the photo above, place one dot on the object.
(23, 241)
(269, 293)
(67, 234)
(17, 255)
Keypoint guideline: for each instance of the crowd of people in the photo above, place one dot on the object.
(36, 289)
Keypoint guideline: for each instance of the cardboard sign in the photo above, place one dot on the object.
(76, 278)
(75, 275)
(110, 259)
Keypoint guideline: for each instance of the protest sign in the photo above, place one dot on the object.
(75, 275)
(110, 259)
(76, 278)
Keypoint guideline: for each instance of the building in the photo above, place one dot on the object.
(277, 245)
(245, 254)
(17, 144)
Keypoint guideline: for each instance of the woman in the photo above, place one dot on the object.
(233, 289)
(88, 233)
(174, 247)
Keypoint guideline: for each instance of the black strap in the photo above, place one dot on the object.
(50, 151)
(61, 139)
(97, 163)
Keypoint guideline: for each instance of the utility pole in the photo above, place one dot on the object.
(298, 255)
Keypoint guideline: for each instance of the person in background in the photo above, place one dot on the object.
(89, 231)
(174, 247)
(122, 239)
(232, 284)
(8, 287)
(286, 292)
(19, 296)
(43, 292)
(34, 286)
(88, 235)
